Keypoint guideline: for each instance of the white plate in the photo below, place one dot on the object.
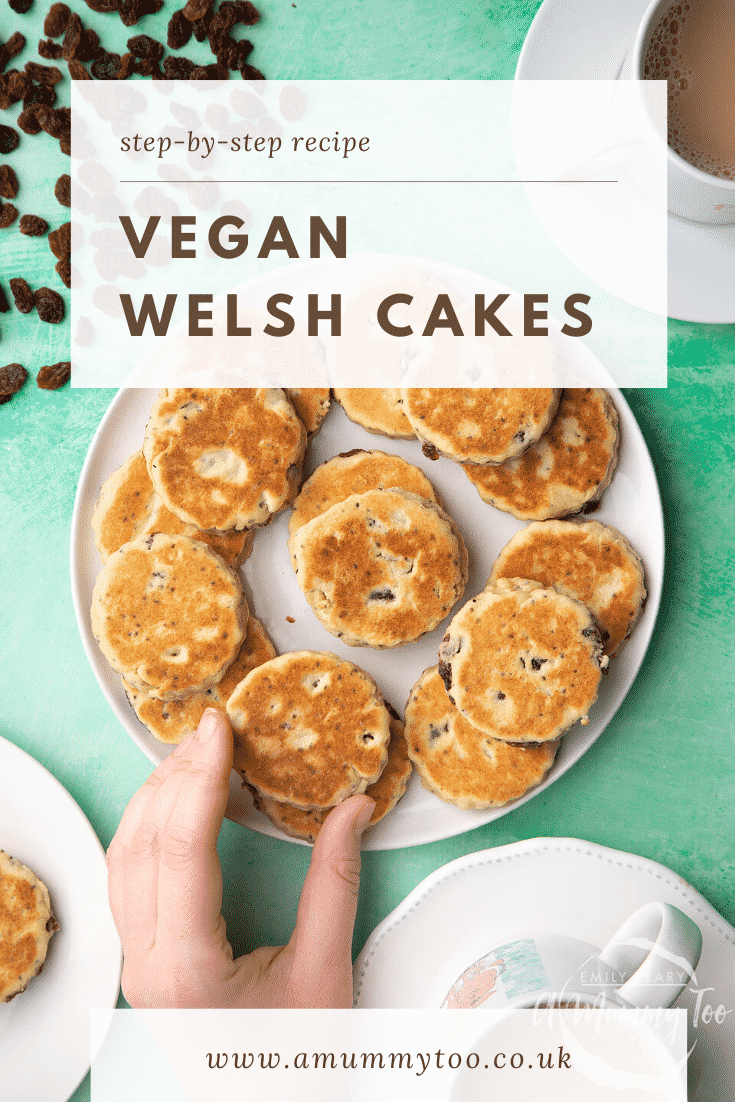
(44, 1033)
(548, 886)
(589, 40)
(631, 504)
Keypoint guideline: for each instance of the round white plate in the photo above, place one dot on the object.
(631, 504)
(589, 40)
(44, 1032)
(548, 886)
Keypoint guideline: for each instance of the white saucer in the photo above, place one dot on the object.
(44, 1033)
(588, 40)
(547, 886)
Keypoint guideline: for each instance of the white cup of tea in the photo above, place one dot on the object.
(647, 963)
(686, 42)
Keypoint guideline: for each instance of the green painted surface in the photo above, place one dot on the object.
(660, 782)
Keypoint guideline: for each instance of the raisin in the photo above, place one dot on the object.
(54, 376)
(8, 215)
(247, 13)
(291, 103)
(89, 47)
(9, 139)
(39, 93)
(4, 304)
(106, 67)
(63, 270)
(33, 226)
(95, 177)
(196, 9)
(49, 304)
(48, 49)
(57, 20)
(200, 27)
(59, 241)
(19, 85)
(179, 31)
(103, 6)
(8, 182)
(178, 68)
(77, 70)
(28, 122)
(12, 378)
(22, 294)
(62, 190)
(147, 66)
(15, 44)
(143, 46)
(72, 37)
(65, 145)
(43, 74)
(127, 67)
(53, 122)
(85, 332)
(249, 72)
(21, 6)
(106, 298)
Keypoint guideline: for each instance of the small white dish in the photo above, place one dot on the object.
(589, 40)
(556, 886)
(44, 1032)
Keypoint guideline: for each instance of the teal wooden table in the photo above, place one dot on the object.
(661, 780)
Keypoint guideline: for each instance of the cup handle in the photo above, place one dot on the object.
(663, 945)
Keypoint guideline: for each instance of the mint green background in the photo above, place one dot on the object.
(661, 780)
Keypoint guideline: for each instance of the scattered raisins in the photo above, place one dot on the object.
(9, 138)
(12, 378)
(33, 226)
(49, 304)
(59, 241)
(22, 294)
(57, 20)
(62, 190)
(54, 376)
(8, 215)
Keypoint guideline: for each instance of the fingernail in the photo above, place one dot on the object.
(208, 724)
(362, 818)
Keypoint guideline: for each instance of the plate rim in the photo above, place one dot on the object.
(370, 841)
(10, 752)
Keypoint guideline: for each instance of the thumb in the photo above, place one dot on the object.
(322, 940)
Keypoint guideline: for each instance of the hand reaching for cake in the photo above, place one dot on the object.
(165, 886)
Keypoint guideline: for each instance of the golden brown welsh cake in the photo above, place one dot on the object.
(587, 560)
(173, 720)
(568, 469)
(378, 411)
(355, 472)
(386, 791)
(129, 507)
(480, 425)
(310, 729)
(381, 568)
(311, 404)
(169, 615)
(522, 663)
(26, 926)
(224, 458)
(461, 764)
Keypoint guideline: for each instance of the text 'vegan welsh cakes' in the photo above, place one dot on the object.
(173, 720)
(460, 764)
(169, 615)
(386, 791)
(26, 926)
(480, 425)
(569, 468)
(378, 411)
(381, 568)
(522, 663)
(310, 729)
(226, 458)
(129, 507)
(587, 560)
(355, 472)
